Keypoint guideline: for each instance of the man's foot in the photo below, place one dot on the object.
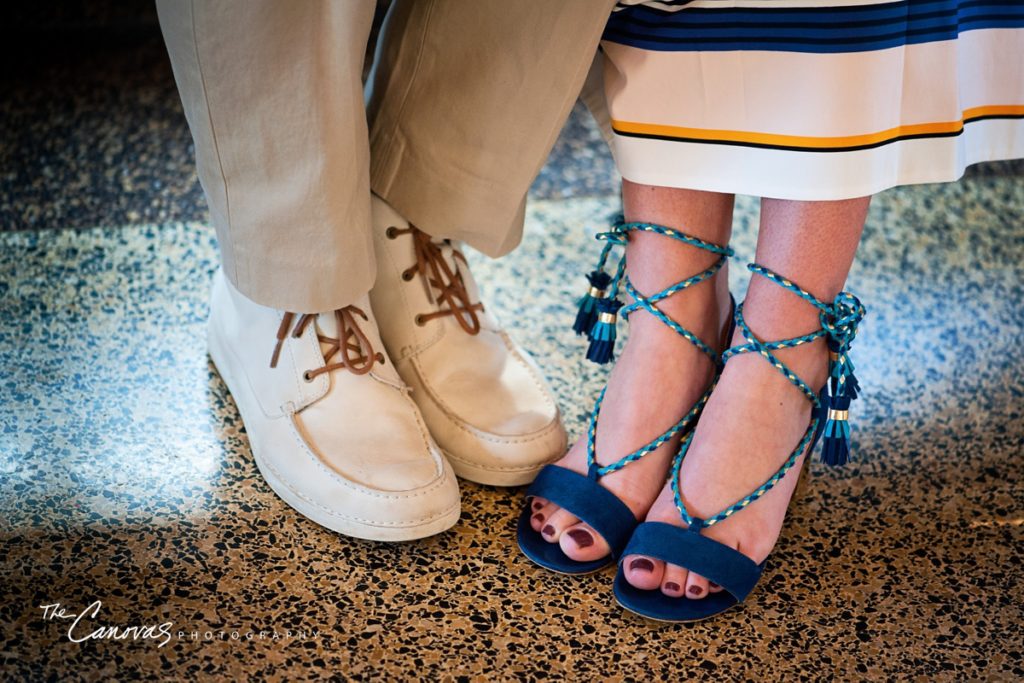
(751, 424)
(656, 381)
(482, 396)
(330, 422)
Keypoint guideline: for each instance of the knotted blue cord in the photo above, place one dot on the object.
(839, 322)
(618, 236)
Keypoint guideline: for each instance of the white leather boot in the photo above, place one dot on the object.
(483, 398)
(331, 424)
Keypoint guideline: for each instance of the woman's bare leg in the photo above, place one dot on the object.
(656, 361)
(755, 416)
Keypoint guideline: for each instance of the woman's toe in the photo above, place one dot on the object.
(540, 517)
(714, 587)
(537, 503)
(581, 543)
(643, 572)
(674, 581)
(560, 520)
(696, 586)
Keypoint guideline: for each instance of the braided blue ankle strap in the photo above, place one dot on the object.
(839, 322)
(600, 307)
(598, 315)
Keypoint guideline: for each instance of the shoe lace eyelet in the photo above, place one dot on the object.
(420, 321)
(407, 275)
(306, 376)
(391, 233)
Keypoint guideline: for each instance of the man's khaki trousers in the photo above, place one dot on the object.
(465, 101)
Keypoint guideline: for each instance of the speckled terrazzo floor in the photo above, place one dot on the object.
(125, 475)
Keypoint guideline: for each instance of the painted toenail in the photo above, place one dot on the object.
(672, 586)
(537, 505)
(642, 564)
(582, 538)
(538, 517)
(713, 584)
(696, 590)
(548, 530)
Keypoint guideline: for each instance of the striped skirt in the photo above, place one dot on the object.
(812, 99)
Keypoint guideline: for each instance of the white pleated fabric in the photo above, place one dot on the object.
(812, 100)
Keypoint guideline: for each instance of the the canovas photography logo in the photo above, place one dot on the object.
(88, 624)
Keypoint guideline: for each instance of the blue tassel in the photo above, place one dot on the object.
(852, 385)
(844, 383)
(602, 335)
(835, 447)
(586, 316)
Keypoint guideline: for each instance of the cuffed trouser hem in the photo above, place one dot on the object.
(466, 102)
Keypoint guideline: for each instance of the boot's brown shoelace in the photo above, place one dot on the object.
(357, 354)
(438, 275)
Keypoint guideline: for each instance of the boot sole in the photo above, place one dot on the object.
(488, 477)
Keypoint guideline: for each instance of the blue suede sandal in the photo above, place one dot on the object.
(581, 494)
(736, 573)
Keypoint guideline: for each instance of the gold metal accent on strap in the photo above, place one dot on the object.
(838, 415)
(596, 293)
(833, 356)
(606, 318)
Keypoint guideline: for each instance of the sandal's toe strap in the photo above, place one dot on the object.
(588, 500)
(718, 563)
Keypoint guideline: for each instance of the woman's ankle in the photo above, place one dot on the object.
(774, 314)
(705, 310)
